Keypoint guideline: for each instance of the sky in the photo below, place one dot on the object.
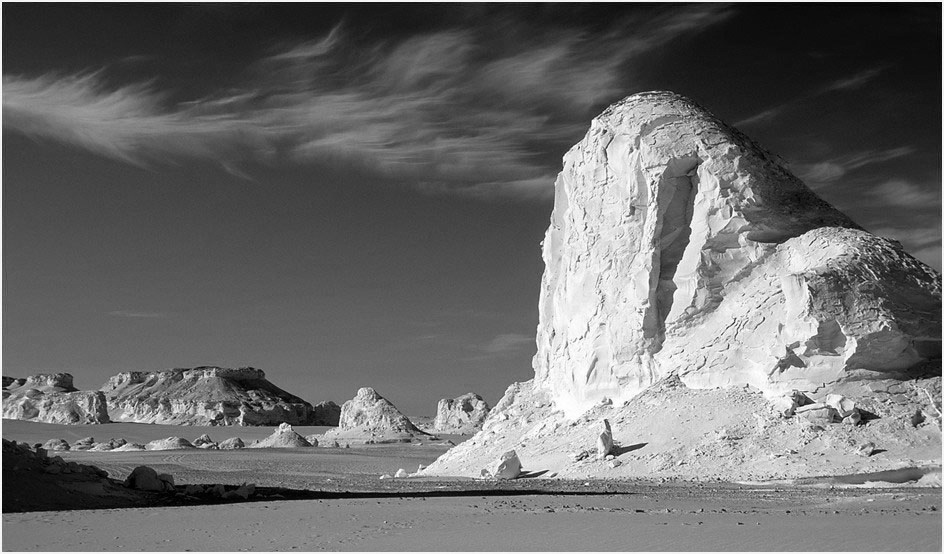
(349, 195)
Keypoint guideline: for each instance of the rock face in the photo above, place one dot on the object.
(674, 236)
(369, 417)
(462, 415)
(679, 252)
(52, 398)
(203, 396)
(326, 413)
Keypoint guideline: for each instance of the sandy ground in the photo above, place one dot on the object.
(352, 509)
(664, 519)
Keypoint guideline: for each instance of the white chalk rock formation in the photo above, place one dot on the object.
(170, 443)
(507, 467)
(678, 247)
(51, 398)
(203, 396)
(233, 443)
(371, 418)
(604, 440)
(282, 437)
(56, 445)
(462, 415)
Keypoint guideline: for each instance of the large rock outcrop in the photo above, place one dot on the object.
(371, 418)
(461, 415)
(678, 245)
(52, 398)
(203, 396)
(680, 250)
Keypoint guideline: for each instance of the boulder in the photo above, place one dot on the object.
(818, 413)
(787, 404)
(843, 406)
(83, 444)
(130, 447)
(604, 440)
(145, 478)
(507, 467)
(232, 444)
(283, 437)
(56, 445)
(206, 395)
(462, 415)
(313, 439)
(203, 439)
(170, 443)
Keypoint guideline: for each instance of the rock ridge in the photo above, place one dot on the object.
(204, 395)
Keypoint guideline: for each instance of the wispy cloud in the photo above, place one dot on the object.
(854, 81)
(449, 111)
(508, 342)
(822, 173)
(138, 314)
(905, 194)
(841, 84)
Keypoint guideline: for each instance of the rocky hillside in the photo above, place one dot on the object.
(680, 250)
(52, 398)
(206, 396)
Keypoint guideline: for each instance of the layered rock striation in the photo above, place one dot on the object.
(52, 398)
(680, 251)
(462, 415)
(204, 396)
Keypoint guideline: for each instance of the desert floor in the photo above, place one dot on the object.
(347, 506)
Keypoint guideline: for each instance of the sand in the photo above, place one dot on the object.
(350, 508)
(873, 521)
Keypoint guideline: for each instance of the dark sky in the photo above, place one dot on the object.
(354, 195)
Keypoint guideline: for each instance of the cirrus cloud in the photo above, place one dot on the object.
(448, 111)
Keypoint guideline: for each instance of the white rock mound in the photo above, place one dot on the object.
(371, 418)
(52, 398)
(679, 249)
(170, 443)
(461, 415)
(284, 436)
